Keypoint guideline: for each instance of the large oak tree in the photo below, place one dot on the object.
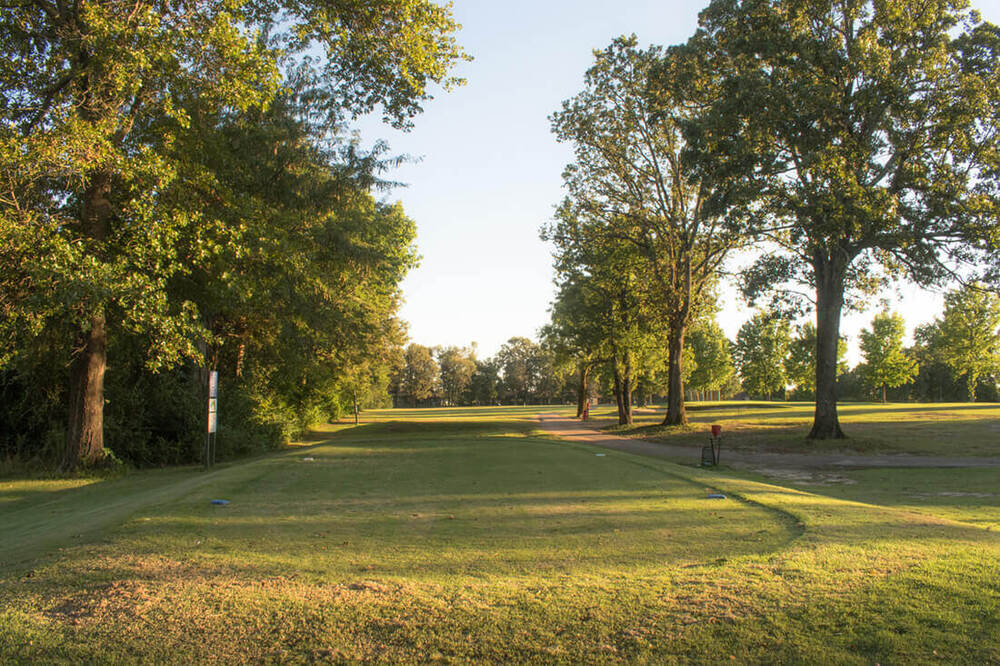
(865, 131)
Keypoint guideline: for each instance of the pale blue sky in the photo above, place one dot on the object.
(490, 173)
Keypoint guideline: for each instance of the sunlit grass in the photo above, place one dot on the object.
(969, 495)
(941, 429)
(20, 489)
(474, 541)
(506, 413)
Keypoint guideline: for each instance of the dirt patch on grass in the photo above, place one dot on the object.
(954, 494)
(805, 477)
(369, 586)
(115, 602)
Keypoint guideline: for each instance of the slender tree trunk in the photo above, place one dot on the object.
(357, 412)
(971, 386)
(883, 394)
(616, 366)
(829, 278)
(582, 389)
(85, 422)
(676, 413)
(626, 417)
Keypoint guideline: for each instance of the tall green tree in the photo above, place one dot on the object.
(760, 352)
(420, 375)
(457, 365)
(603, 279)
(91, 94)
(575, 332)
(516, 359)
(866, 134)
(631, 179)
(713, 358)
(366, 381)
(886, 364)
(966, 337)
(484, 386)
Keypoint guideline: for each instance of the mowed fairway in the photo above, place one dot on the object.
(463, 536)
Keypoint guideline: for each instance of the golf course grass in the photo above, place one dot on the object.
(468, 536)
(938, 429)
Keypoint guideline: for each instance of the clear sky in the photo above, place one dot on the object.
(490, 169)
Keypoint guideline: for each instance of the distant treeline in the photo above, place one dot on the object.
(954, 358)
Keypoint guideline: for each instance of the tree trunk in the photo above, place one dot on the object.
(582, 389)
(883, 394)
(616, 367)
(971, 385)
(626, 417)
(357, 412)
(85, 428)
(85, 421)
(676, 413)
(829, 278)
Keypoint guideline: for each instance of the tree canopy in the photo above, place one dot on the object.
(110, 117)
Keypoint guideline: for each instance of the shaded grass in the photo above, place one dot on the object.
(42, 514)
(478, 542)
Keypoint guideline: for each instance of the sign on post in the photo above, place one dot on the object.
(213, 399)
(213, 408)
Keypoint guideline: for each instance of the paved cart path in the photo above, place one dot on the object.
(575, 430)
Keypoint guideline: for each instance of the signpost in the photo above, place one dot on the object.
(213, 407)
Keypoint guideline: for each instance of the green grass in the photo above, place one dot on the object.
(968, 495)
(940, 429)
(477, 541)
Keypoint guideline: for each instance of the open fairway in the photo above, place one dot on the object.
(465, 535)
